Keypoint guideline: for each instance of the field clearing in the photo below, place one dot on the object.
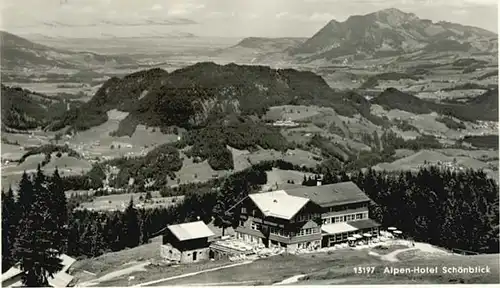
(54, 88)
(295, 156)
(483, 155)
(120, 201)
(96, 142)
(11, 152)
(196, 172)
(292, 112)
(281, 177)
(28, 140)
(11, 174)
(428, 123)
(359, 125)
(431, 157)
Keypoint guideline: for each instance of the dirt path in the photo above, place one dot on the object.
(391, 257)
(291, 280)
(191, 274)
(114, 274)
(424, 247)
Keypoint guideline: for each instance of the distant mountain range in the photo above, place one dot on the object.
(387, 33)
(252, 48)
(19, 54)
(392, 32)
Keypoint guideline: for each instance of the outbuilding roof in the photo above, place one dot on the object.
(190, 231)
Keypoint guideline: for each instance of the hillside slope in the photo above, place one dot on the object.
(23, 109)
(483, 107)
(19, 53)
(195, 95)
(391, 32)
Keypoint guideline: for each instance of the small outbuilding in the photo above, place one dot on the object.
(187, 242)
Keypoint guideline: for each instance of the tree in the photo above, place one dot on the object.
(35, 248)
(9, 229)
(25, 194)
(132, 231)
(59, 208)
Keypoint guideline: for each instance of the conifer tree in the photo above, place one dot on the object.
(58, 204)
(132, 231)
(25, 194)
(35, 248)
(9, 229)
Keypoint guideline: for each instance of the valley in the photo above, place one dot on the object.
(184, 127)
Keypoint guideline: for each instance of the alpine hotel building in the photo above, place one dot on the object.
(305, 217)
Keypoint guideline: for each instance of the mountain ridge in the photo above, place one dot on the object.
(392, 32)
(21, 53)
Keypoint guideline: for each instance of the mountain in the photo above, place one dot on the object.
(19, 54)
(252, 48)
(392, 32)
(196, 95)
(23, 109)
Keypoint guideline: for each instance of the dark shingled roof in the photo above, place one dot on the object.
(332, 194)
(364, 224)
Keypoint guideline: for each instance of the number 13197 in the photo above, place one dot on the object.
(364, 270)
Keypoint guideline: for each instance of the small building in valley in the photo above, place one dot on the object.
(187, 242)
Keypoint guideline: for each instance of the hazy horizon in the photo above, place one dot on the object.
(220, 18)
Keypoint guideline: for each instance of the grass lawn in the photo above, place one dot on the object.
(387, 250)
(156, 272)
(277, 268)
(113, 261)
(339, 268)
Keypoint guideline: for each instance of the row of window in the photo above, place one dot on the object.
(346, 218)
(342, 237)
(306, 217)
(278, 231)
(347, 207)
(309, 231)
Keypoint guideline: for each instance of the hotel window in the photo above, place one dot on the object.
(243, 210)
(255, 226)
(359, 216)
(242, 223)
(348, 217)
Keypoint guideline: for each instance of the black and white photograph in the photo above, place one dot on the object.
(249, 143)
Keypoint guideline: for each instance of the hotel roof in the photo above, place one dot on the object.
(332, 194)
(278, 204)
(190, 231)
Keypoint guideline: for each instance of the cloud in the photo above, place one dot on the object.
(157, 7)
(184, 8)
(459, 12)
(322, 17)
(281, 14)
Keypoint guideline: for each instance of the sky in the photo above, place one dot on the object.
(230, 18)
